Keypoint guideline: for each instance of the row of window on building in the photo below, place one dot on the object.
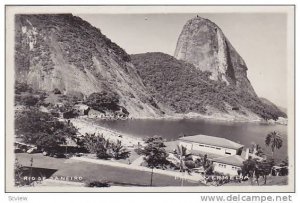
(224, 166)
(202, 145)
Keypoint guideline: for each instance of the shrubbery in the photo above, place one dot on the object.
(42, 129)
(118, 150)
(70, 114)
(97, 183)
(29, 100)
(27, 96)
(21, 87)
(104, 148)
(253, 167)
(56, 91)
(103, 101)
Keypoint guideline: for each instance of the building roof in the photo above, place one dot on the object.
(234, 160)
(211, 140)
(81, 106)
(95, 112)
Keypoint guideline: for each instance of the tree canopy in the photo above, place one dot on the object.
(22, 87)
(97, 144)
(42, 129)
(104, 148)
(104, 100)
(274, 140)
(264, 168)
(155, 153)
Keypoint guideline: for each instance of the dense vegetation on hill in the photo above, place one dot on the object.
(106, 101)
(183, 88)
(25, 95)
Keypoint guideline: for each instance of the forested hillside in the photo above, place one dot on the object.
(184, 88)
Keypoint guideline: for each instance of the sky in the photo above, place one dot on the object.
(260, 39)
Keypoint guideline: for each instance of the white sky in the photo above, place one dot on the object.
(259, 38)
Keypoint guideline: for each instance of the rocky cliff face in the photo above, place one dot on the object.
(203, 44)
(67, 53)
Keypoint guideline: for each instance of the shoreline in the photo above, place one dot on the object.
(85, 126)
(197, 117)
(222, 118)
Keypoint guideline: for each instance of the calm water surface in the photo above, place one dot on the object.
(243, 133)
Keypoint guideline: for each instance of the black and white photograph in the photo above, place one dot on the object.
(150, 98)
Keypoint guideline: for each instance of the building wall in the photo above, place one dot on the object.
(208, 148)
(95, 115)
(226, 169)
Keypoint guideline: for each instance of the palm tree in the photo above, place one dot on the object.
(273, 140)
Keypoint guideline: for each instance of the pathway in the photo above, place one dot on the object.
(138, 161)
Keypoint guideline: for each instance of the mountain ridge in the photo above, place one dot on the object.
(66, 53)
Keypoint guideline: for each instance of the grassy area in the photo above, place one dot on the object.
(90, 171)
(271, 180)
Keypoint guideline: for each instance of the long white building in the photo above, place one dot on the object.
(228, 165)
(225, 154)
(211, 145)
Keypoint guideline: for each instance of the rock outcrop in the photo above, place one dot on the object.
(203, 44)
(66, 53)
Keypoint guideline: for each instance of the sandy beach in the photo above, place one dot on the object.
(85, 126)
